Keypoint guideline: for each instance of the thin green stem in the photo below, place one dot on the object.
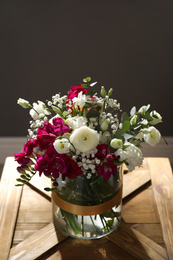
(93, 223)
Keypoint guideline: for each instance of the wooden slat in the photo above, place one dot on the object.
(162, 181)
(137, 244)
(37, 244)
(41, 182)
(9, 203)
(135, 179)
(141, 208)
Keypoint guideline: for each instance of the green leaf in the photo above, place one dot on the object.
(119, 134)
(84, 85)
(126, 126)
(88, 79)
(20, 180)
(93, 113)
(124, 117)
(148, 117)
(133, 111)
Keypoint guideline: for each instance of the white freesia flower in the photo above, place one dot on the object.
(116, 143)
(140, 136)
(79, 100)
(38, 109)
(62, 145)
(156, 118)
(84, 139)
(132, 155)
(152, 136)
(76, 122)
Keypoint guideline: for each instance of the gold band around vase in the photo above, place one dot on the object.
(87, 210)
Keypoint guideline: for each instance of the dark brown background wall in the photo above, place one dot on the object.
(47, 46)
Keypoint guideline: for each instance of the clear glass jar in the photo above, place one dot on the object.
(88, 208)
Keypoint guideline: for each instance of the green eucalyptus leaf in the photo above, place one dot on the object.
(119, 134)
(126, 126)
(124, 117)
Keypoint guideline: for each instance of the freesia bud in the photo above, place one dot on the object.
(104, 125)
(110, 92)
(133, 120)
(24, 103)
(116, 143)
(103, 92)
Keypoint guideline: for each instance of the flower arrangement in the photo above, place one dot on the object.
(80, 136)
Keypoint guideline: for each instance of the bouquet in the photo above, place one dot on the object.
(79, 141)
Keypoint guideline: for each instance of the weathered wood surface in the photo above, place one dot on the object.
(137, 244)
(162, 182)
(37, 244)
(139, 238)
(9, 202)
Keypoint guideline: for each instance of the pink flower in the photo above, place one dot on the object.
(107, 169)
(57, 166)
(111, 157)
(102, 151)
(73, 169)
(44, 139)
(29, 146)
(22, 158)
(75, 90)
(59, 127)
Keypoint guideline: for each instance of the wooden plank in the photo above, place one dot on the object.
(141, 208)
(135, 179)
(137, 244)
(10, 196)
(37, 244)
(162, 181)
(41, 182)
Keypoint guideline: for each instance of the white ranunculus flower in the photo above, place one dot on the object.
(116, 143)
(79, 100)
(132, 155)
(76, 122)
(156, 118)
(62, 145)
(84, 139)
(39, 109)
(152, 136)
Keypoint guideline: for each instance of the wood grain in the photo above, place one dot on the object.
(137, 244)
(135, 179)
(9, 203)
(162, 181)
(37, 244)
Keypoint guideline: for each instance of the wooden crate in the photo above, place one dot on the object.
(27, 231)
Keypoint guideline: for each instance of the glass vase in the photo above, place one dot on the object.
(88, 208)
